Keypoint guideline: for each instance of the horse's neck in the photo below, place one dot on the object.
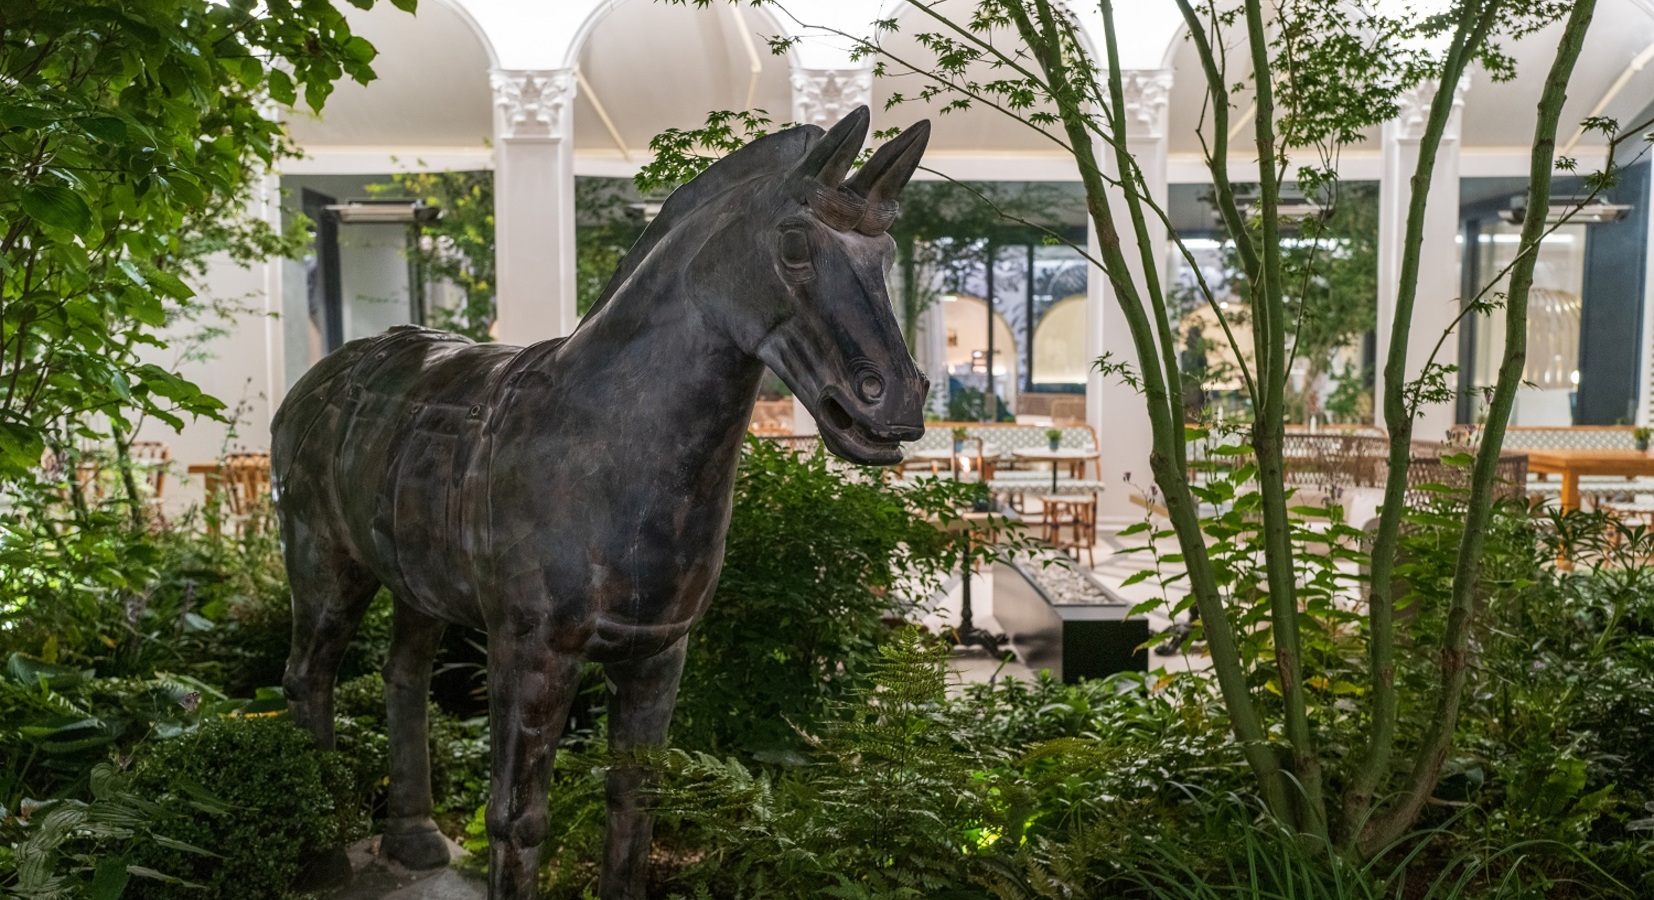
(689, 378)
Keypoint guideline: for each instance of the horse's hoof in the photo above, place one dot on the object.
(326, 869)
(425, 848)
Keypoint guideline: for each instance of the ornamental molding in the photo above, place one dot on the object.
(1148, 93)
(824, 96)
(530, 103)
(1413, 111)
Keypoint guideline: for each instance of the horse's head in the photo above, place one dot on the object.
(822, 316)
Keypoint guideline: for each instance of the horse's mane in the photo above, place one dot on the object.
(769, 155)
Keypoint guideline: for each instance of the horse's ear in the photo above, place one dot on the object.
(884, 176)
(832, 156)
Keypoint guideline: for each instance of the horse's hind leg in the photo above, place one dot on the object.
(331, 593)
(411, 837)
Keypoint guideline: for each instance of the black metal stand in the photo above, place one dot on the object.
(967, 634)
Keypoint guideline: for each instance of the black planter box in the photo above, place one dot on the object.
(1074, 641)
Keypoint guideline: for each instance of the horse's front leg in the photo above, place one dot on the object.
(530, 689)
(645, 691)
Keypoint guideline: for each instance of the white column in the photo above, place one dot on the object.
(932, 345)
(534, 203)
(822, 97)
(1437, 302)
(1645, 369)
(1119, 413)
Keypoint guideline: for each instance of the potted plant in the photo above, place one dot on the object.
(1640, 435)
(959, 435)
(1053, 436)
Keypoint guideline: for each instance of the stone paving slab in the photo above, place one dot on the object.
(376, 878)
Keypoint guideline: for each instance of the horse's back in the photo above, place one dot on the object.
(338, 437)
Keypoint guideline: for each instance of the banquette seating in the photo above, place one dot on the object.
(1009, 476)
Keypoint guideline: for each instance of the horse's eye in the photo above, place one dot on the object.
(795, 248)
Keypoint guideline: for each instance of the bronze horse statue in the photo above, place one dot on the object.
(571, 498)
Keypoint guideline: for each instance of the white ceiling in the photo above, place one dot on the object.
(655, 66)
(432, 88)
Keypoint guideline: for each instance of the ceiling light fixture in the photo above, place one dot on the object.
(385, 212)
(1569, 209)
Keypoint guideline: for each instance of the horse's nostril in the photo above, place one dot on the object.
(871, 388)
(837, 414)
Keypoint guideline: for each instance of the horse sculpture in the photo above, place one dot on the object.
(571, 497)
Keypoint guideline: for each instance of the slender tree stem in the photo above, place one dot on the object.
(1438, 738)
(1173, 479)
(1135, 189)
(1217, 161)
(1467, 40)
(1268, 436)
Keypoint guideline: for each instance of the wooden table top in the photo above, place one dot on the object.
(1592, 462)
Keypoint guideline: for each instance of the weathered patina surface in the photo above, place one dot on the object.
(571, 498)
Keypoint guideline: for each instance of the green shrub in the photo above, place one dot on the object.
(459, 750)
(277, 805)
(894, 800)
(816, 560)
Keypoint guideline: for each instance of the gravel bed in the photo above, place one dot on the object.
(1066, 585)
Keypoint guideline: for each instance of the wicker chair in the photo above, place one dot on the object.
(1070, 523)
(245, 480)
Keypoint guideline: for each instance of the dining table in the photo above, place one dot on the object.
(1570, 464)
(1071, 456)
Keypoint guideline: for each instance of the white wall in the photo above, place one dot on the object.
(241, 367)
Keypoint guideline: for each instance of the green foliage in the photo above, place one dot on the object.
(679, 154)
(458, 750)
(459, 246)
(816, 561)
(889, 805)
(126, 131)
(1330, 289)
(96, 592)
(1227, 847)
(71, 848)
(251, 790)
(969, 404)
(604, 232)
(62, 721)
(1558, 745)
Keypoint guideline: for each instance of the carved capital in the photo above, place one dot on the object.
(824, 96)
(1147, 94)
(531, 103)
(1413, 107)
